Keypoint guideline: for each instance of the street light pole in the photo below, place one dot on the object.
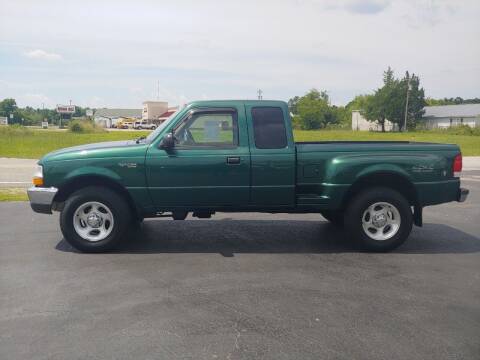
(406, 106)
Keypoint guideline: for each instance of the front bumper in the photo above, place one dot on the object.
(462, 194)
(41, 199)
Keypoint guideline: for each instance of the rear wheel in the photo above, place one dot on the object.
(380, 219)
(94, 219)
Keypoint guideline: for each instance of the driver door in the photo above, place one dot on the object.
(209, 165)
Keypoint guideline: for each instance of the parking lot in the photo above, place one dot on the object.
(242, 286)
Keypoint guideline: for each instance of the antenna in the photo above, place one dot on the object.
(260, 92)
(158, 90)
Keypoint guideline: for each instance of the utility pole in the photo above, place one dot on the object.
(260, 92)
(406, 105)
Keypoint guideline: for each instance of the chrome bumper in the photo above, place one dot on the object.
(462, 194)
(41, 199)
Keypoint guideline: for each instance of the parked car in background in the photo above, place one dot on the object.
(144, 125)
(240, 156)
(126, 125)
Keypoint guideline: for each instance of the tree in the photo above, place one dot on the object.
(314, 110)
(451, 101)
(292, 105)
(378, 107)
(375, 109)
(416, 100)
(7, 107)
(389, 102)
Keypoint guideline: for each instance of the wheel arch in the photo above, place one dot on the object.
(392, 180)
(83, 181)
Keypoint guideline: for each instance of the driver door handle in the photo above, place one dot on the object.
(233, 160)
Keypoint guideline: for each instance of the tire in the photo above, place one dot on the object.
(334, 216)
(364, 221)
(94, 203)
(179, 215)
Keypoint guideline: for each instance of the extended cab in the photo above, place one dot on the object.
(237, 156)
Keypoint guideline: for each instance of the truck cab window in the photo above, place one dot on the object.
(269, 128)
(208, 130)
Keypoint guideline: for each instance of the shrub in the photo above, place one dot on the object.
(14, 130)
(84, 127)
(454, 130)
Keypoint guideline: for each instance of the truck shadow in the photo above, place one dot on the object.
(228, 237)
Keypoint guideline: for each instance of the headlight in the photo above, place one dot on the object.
(38, 176)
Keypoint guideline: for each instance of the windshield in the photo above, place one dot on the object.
(160, 128)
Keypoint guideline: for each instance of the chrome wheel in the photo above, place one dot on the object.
(381, 221)
(93, 221)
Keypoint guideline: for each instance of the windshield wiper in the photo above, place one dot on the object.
(140, 139)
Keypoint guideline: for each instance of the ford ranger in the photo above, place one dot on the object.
(240, 156)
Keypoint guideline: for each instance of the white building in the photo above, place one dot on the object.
(359, 123)
(444, 116)
(109, 117)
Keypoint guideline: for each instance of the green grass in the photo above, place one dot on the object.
(11, 194)
(33, 144)
(22, 143)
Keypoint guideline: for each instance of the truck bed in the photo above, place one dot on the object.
(327, 169)
(368, 146)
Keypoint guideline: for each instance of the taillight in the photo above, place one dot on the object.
(457, 165)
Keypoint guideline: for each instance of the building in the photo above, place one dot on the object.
(167, 114)
(157, 111)
(359, 123)
(153, 109)
(109, 117)
(445, 116)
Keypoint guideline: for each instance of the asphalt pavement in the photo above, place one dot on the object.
(242, 286)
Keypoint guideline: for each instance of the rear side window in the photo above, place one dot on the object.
(269, 128)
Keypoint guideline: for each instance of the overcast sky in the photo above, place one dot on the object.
(111, 53)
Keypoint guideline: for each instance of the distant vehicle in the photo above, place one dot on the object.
(141, 125)
(126, 125)
(240, 156)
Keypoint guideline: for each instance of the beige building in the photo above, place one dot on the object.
(152, 110)
(359, 123)
(157, 111)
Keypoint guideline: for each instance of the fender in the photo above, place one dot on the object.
(93, 171)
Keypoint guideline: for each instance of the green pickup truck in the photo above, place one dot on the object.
(240, 156)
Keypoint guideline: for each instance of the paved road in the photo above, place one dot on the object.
(242, 287)
(16, 172)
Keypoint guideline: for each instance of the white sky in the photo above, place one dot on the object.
(111, 53)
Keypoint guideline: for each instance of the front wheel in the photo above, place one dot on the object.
(94, 219)
(380, 219)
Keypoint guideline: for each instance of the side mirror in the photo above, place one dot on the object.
(168, 142)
